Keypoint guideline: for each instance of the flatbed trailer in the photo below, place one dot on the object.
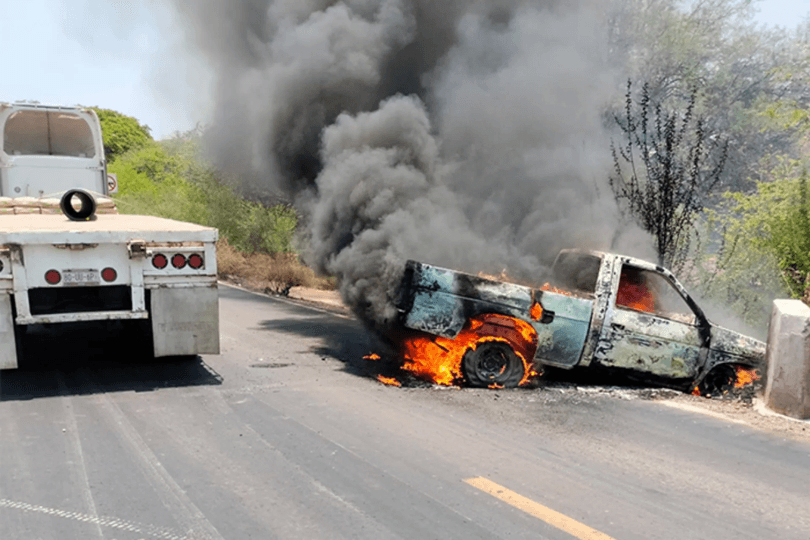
(62, 263)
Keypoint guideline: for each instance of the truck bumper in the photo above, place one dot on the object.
(185, 320)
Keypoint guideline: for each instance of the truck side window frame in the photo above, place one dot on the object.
(640, 290)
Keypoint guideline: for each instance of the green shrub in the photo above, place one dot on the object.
(764, 245)
(121, 133)
(170, 179)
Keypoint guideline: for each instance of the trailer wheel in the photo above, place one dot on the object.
(493, 362)
(719, 380)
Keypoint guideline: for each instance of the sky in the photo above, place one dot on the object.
(130, 56)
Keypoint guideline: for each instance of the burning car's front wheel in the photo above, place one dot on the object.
(493, 363)
(720, 380)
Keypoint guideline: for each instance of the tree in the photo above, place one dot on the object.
(171, 179)
(714, 45)
(664, 173)
(762, 246)
(775, 220)
(121, 133)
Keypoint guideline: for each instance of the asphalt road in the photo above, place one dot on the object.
(287, 434)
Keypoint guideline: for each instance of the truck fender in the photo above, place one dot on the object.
(519, 334)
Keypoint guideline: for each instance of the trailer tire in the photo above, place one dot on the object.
(492, 363)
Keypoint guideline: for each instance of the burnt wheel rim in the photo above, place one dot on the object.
(719, 380)
(492, 364)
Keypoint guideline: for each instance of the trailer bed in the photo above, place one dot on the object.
(56, 229)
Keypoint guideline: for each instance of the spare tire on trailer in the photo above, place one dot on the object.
(87, 205)
(492, 363)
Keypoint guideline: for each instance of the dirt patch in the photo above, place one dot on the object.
(275, 274)
(754, 414)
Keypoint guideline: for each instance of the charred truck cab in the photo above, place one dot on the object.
(600, 310)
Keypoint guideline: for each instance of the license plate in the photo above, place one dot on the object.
(80, 277)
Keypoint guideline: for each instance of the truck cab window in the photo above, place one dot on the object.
(577, 271)
(649, 292)
(48, 133)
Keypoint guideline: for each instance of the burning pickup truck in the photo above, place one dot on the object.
(600, 310)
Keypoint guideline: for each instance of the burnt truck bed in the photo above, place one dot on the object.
(667, 342)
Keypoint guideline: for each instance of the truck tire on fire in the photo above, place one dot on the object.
(492, 363)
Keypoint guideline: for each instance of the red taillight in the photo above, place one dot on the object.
(179, 261)
(109, 274)
(195, 261)
(53, 277)
(160, 261)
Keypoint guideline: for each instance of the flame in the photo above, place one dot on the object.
(438, 359)
(390, 381)
(745, 377)
(536, 311)
(434, 359)
(633, 292)
(372, 356)
(551, 288)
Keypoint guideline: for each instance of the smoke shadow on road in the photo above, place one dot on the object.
(343, 339)
(96, 358)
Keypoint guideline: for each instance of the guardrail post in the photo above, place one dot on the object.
(787, 389)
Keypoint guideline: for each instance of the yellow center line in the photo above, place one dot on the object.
(556, 519)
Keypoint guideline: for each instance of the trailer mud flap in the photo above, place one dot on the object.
(8, 347)
(185, 320)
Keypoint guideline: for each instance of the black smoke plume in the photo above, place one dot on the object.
(463, 133)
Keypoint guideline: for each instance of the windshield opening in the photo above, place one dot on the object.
(48, 133)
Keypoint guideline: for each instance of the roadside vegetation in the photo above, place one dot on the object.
(171, 179)
(710, 147)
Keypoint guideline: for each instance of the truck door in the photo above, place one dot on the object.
(649, 327)
(561, 342)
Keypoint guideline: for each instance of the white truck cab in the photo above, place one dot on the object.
(45, 150)
(54, 269)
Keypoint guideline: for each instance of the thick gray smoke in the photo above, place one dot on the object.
(463, 133)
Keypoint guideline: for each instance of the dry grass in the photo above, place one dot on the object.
(275, 274)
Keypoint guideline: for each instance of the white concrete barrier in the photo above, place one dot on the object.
(787, 389)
